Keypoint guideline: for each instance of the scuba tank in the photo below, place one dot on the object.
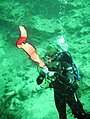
(64, 50)
(76, 73)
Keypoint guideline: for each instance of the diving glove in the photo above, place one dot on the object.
(51, 73)
(47, 72)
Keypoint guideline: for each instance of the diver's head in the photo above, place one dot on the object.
(49, 55)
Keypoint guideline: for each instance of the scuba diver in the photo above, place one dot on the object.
(62, 72)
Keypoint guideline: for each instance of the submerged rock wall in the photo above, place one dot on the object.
(20, 96)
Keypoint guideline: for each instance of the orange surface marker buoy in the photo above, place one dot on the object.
(28, 48)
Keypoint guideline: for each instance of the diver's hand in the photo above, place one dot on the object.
(45, 70)
(51, 73)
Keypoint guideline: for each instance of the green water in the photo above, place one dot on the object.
(45, 21)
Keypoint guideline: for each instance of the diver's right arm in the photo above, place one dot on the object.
(43, 74)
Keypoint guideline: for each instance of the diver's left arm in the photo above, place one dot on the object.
(63, 79)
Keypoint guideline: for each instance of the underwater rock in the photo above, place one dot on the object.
(3, 102)
(20, 73)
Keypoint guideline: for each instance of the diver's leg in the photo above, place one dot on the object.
(76, 107)
(61, 107)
